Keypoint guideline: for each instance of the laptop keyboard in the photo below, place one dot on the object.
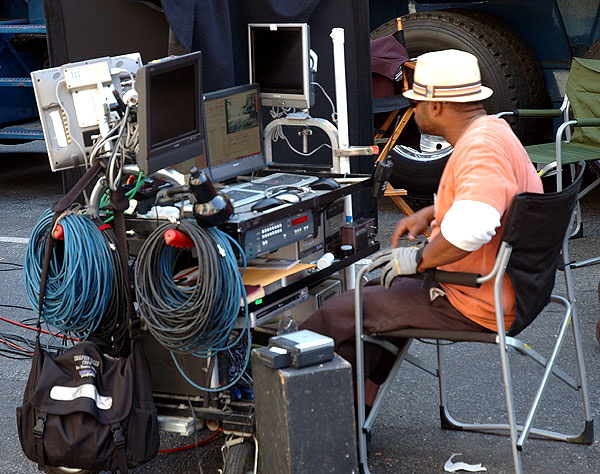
(285, 179)
(246, 193)
(241, 197)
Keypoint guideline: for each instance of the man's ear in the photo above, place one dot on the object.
(435, 108)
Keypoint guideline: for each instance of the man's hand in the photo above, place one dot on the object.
(413, 225)
(401, 261)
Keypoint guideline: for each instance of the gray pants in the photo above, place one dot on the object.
(409, 303)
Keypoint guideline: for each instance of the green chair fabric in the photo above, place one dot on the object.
(583, 92)
(545, 153)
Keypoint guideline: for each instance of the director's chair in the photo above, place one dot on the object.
(392, 73)
(577, 135)
(530, 261)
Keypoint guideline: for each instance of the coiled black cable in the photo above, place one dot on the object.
(113, 330)
(197, 319)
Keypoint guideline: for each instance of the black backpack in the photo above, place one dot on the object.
(82, 408)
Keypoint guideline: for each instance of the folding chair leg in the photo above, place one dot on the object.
(385, 388)
(360, 374)
(519, 433)
(364, 425)
(512, 421)
(449, 422)
(587, 437)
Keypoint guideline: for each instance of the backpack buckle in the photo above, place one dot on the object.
(40, 426)
(118, 435)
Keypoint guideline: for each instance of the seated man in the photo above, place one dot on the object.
(487, 168)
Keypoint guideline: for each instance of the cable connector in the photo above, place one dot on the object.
(176, 238)
(58, 233)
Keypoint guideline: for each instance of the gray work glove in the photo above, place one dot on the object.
(401, 261)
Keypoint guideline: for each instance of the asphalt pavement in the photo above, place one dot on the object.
(406, 437)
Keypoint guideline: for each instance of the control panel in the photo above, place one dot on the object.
(278, 233)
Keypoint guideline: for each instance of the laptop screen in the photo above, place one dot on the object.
(234, 132)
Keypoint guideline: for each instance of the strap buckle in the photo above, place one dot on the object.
(40, 426)
(118, 435)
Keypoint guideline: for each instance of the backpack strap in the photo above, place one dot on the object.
(38, 438)
(119, 203)
(121, 445)
(59, 207)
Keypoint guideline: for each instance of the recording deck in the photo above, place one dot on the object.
(263, 231)
(260, 232)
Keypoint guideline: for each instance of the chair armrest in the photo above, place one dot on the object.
(587, 122)
(540, 113)
(455, 278)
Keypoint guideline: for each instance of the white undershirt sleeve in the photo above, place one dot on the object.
(470, 224)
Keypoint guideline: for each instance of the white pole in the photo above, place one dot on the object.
(341, 99)
(339, 69)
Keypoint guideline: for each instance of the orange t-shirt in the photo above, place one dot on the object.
(488, 165)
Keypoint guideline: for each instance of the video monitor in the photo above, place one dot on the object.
(280, 63)
(170, 115)
(234, 132)
(76, 102)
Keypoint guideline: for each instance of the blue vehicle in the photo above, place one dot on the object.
(525, 49)
(22, 50)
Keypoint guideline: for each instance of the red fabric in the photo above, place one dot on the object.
(387, 55)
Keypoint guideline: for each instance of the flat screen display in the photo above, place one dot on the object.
(280, 63)
(233, 132)
(172, 94)
(170, 113)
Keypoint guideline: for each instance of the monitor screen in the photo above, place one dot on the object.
(170, 115)
(233, 132)
(280, 63)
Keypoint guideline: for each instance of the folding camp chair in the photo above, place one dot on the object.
(578, 134)
(531, 265)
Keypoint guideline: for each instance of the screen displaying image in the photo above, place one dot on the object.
(233, 127)
(241, 112)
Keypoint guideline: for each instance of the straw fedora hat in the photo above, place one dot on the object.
(450, 76)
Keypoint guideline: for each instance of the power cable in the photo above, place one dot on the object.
(199, 319)
(81, 277)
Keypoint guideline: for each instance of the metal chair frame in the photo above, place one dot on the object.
(518, 432)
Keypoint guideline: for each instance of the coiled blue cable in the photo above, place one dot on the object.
(80, 277)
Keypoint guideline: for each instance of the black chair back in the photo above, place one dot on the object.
(536, 228)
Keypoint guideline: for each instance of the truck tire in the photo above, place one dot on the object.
(530, 131)
(500, 70)
(529, 66)
(418, 172)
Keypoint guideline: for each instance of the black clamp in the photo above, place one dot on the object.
(135, 328)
